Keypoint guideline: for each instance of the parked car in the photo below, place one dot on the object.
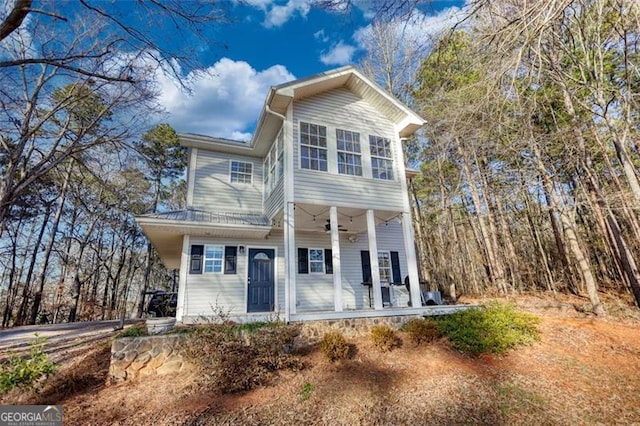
(163, 304)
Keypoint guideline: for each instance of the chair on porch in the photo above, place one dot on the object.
(428, 297)
(386, 295)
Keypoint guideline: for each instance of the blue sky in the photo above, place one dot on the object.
(269, 42)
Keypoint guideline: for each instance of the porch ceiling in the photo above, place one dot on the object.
(350, 220)
(166, 234)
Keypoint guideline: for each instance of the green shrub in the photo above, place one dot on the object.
(421, 330)
(230, 360)
(334, 346)
(19, 372)
(384, 338)
(495, 329)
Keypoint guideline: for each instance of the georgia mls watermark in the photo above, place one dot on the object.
(30, 415)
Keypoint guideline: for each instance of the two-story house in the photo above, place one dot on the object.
(309, 220)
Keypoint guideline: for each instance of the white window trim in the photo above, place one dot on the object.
(243, 173)
(327, 129)
(390, 158)
(204, 259)
(358, 154)
(316, 261)
(380, 267)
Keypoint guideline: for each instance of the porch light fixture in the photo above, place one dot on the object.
(353, 239)
(241, 249)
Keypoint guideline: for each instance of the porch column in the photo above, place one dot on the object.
(412, 263)
(182, 283)
(290, 260)
(335, 250)
(373, 259)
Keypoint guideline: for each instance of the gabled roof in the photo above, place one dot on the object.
(279, 98)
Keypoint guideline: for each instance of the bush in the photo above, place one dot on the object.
(421, 330)
(384, 338)
(19, 372)
(334, 346)
(495, 329)
(231, 361)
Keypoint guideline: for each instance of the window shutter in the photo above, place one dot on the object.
(395, 267)
(196, 259)
(230, 259)
(366, 266)
(328, 261)
(303, 261)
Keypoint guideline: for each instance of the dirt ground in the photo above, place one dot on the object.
(585, 370)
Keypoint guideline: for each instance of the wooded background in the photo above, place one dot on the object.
(529, 161)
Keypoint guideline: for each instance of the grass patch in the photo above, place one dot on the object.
(496, 329)
(137, 330)
(306, 391)
(514, 399)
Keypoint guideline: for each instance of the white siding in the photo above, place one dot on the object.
(203, 292)
(314, 292)
(342, 109)
(275, 202)
(212, 188)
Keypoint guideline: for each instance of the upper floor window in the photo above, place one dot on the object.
(273, 166)
(349, 159)
(241, 172)
(381, 157)
(313, 147)
(213, 256)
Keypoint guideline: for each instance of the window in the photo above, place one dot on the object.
(241, 172)
(384, 265)
(213, 256)
(313, 147)
(273, 166)
(349, 160)
(381, 159)
(316, 261)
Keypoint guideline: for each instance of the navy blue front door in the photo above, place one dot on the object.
(260, 289)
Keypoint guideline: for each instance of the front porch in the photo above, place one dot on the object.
(370, 253)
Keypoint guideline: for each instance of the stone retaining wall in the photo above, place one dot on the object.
(134, 357)
(312, 331)
(137, 357)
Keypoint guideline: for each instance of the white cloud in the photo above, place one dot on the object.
(279, 15)
(419, 29)
(340, 54)
(224, 102)
(320, 35)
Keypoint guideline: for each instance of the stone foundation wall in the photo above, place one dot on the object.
(312, 331)
(135, 357)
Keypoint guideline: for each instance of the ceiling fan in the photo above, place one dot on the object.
(327, 227)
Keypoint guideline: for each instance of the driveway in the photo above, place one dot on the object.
(18, 338)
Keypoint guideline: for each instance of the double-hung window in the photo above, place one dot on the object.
(213, 257)
(313, 147)
(381, 157)
(384, 266)
(241, 172)
(316, 261)
(349, 159)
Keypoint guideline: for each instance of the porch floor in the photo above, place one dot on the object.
(386, 312)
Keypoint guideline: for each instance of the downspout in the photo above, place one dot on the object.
(287, 308)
